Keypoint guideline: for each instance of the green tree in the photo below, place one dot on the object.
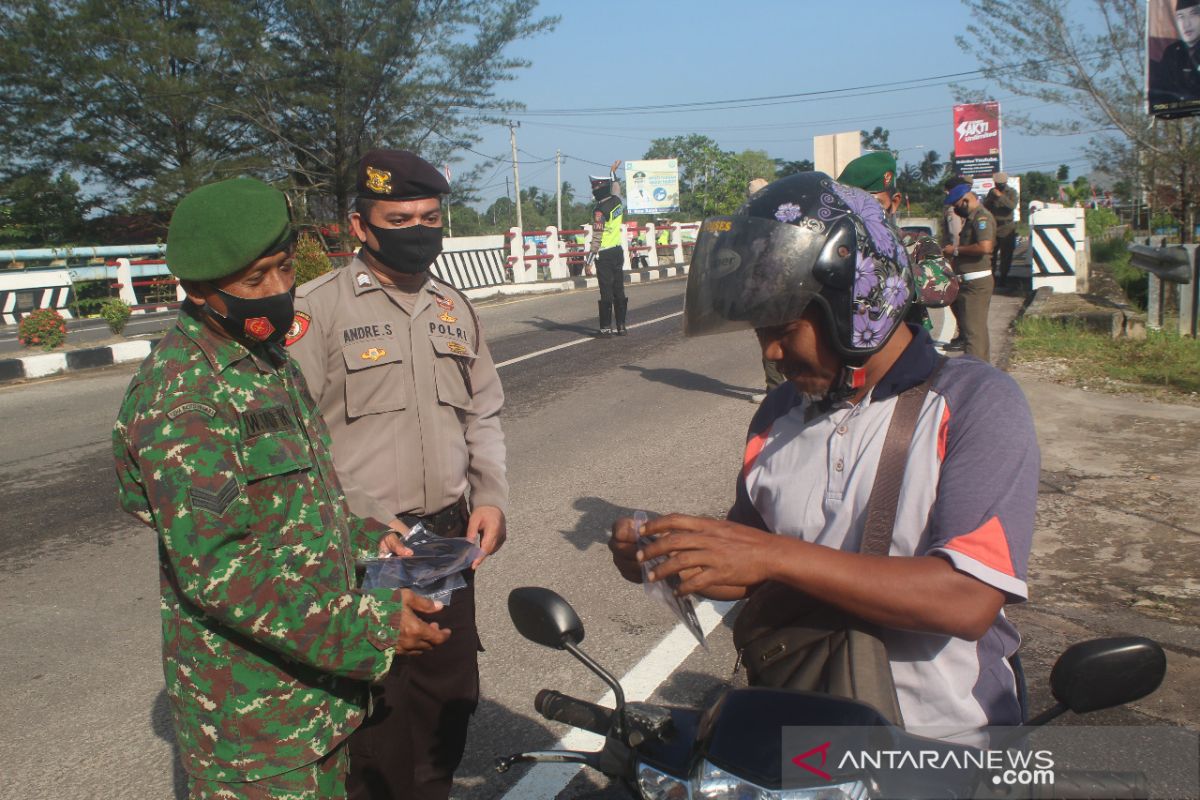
(1097, 72)
(785, 168)
(711, 180)
(876, 139)
(931, 167)
(1038, 186)
(37, 209)
(119, 91)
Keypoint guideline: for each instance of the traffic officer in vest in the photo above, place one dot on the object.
(608, 218)
(972, 259)
(396, 359)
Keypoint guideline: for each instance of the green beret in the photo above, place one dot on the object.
(223, 227)
(869, 172)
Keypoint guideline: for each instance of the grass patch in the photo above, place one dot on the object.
(1164, 361)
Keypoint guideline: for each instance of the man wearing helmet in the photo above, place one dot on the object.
(608, 217)
(813, 267)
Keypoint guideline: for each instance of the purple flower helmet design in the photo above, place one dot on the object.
(789, 212)
(865, 276)
(867, 208)
(895, 291)
(870, 326)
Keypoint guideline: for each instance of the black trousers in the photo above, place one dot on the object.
(610, 274)
(1003, 256)
(410, 745)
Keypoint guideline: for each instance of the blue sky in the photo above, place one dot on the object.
(626, 53)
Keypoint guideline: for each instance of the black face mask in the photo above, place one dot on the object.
(262, 319)
(601, 190)
(409, 250)
(962, 211)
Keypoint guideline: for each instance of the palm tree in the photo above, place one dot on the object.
(930, 167)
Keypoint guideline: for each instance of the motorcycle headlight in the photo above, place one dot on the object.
(657, 785)
(713, 783)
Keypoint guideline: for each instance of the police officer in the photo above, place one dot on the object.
(396, 360)
(1001, 201)
(608, 218)
(971, 256)
(267, 646)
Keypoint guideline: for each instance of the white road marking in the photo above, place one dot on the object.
(565, 345)
(545, 781)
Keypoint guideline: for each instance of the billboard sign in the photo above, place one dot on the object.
(977, 138)
(1172, 74)
(652, 187)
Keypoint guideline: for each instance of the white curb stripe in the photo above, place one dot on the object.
(574, 342)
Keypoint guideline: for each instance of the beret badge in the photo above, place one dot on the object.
(379, 180)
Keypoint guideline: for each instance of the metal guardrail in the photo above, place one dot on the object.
(1172, 264)
(1173, 269)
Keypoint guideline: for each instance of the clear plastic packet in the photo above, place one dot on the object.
(664, 591)
(433, 570)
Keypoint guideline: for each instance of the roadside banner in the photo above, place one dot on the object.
(977, 138)
(652, 187)
(1172, 80)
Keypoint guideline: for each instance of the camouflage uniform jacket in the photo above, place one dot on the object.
(267, 646)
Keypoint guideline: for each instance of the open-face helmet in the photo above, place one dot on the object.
(802, 239)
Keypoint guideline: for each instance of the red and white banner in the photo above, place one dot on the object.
(977, 138)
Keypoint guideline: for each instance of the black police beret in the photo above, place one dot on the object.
(398, 175)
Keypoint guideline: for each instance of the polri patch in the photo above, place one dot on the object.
(217, 502)
(299, 328)
(266, 420)
(184, 408)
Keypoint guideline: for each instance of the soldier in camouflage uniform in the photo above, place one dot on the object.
(268, 648)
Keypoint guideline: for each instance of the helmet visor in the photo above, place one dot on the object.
(750, 272)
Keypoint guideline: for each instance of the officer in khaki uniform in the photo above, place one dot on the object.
(1002, 201)
(972, 259)
(396, 361)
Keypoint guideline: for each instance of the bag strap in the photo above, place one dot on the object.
(885, 492)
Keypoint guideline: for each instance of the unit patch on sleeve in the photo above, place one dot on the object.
(266, 420)
(184, 408)
(299, 328)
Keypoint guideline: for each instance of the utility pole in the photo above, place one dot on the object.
(512, 138)
(558, 185)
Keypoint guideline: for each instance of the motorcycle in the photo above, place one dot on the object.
(732, 749)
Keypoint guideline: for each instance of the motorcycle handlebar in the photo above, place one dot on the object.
(558, 707)
(1095, 783)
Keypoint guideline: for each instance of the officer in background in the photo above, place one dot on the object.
(396, 360)
(971, 256)
(1001, 201)
(608, 217)
(267, 646)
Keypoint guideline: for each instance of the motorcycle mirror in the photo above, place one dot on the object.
(543, 617)
(1104, 673)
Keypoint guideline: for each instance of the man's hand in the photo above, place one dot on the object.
(488, 529)
(394, 543)
(417, 635)
(623, 546)
(948, 251)
(708, 554)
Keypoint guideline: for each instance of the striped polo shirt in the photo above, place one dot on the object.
(969, 495)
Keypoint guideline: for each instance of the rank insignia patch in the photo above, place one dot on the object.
(374, 354)
(362, 279)
(455, 347)
(379, 180)
(445, 317)
(444, 302)
(299, 328)
(217, 502)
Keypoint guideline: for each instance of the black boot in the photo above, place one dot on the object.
(606, 310)
(620, 306)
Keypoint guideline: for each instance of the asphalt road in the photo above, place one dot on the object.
(595, 428)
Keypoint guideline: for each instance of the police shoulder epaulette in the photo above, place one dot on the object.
(316, 283)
